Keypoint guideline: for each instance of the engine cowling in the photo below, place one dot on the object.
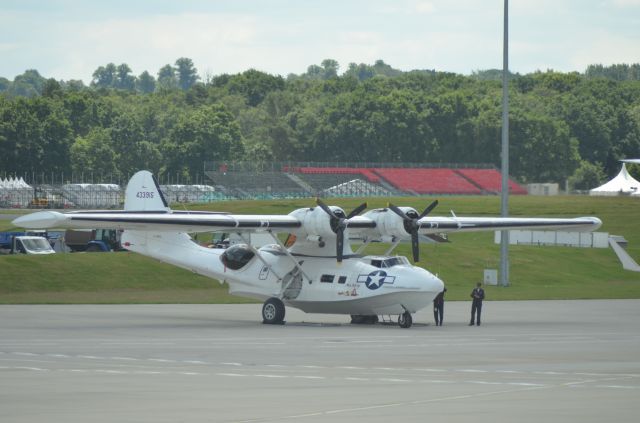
(389, 226)
(315, 223)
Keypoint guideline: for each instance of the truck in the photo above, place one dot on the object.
(22, 243)
(93, 240)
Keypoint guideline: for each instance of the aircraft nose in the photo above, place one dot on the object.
(436, 284)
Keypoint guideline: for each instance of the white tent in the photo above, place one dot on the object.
(15, 193)
(623, 184)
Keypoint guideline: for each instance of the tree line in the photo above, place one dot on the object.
(562, 125)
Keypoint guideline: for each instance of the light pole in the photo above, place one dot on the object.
(504, 208)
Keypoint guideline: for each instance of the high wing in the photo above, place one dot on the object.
(145, 209)
(434, 225)
(160, 221)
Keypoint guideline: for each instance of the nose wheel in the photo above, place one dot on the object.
(405, 320)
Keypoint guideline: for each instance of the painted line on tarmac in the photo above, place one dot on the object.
(30, 356)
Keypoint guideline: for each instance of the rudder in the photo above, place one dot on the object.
(143, 193)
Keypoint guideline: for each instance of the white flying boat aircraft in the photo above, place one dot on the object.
(318, 273)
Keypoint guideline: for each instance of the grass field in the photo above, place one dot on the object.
(536, 272)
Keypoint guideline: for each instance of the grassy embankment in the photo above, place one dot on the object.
(536, 272)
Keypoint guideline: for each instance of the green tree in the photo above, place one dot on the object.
(587, 176)
(28, 84)
(105, 76)
(51, 88)
(330, 68)
(208, 133)
(541, 148)
(187, 73)
(94, 154)
(167, 79)
(146, 83)
(5, 84)
(124, 79)
(254, 85)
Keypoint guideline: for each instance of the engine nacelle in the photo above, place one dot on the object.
(316, 223)
(389, 226)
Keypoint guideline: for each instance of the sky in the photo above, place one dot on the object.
(70, 39)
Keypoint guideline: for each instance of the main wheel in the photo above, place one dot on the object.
(273, 311)
(405, 320)
(93, 248)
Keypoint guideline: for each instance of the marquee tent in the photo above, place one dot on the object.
(623, 184)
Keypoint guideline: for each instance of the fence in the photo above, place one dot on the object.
(220, 181)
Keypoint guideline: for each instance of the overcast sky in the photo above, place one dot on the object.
(69, 39)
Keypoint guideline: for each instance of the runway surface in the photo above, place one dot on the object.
(560, 361)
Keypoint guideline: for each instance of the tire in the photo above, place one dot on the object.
(405, 320)
(93, 248)
(273, 312)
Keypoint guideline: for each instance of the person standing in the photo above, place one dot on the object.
(438, 307)
(476, 306)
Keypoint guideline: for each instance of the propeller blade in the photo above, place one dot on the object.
(415, 246)
(357, 210)
(326, 208)
(428, 209)
(339, 244)
(397, 211)
(338, 225)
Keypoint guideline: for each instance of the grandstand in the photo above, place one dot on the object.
(490, 181)
(242, 180)
(249, 180)
(257, 184)
(428, 181)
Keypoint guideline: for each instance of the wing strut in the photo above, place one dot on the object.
(257, 253)
(293, 259)
(364, 245)
(393, 247)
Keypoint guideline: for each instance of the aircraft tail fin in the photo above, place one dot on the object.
(143, 193)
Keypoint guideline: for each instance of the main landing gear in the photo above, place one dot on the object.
(405, 320)
(273, 312)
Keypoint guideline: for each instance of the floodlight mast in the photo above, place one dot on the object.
(504, 238)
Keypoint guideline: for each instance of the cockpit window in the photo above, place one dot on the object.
(237, 256)
(395, 261)
(389, 262)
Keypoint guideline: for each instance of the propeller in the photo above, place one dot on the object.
(411, 225)
(338, 224)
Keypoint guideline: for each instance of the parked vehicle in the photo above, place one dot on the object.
(93, 240)
(26, 244)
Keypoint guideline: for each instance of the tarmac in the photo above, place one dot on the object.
(530, 361)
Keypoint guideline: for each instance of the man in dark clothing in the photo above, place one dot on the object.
(476, 306)
(438, 307)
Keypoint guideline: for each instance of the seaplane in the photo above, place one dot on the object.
(315, 268)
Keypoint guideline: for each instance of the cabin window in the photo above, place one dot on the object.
(327, 278)
(237, 256)
(376, 263)
(342, 279)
